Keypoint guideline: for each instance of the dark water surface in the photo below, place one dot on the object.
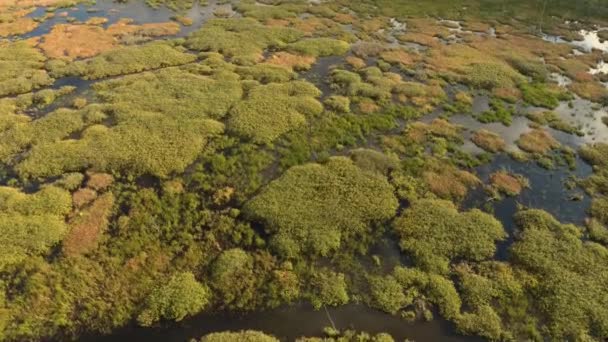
(289, 323)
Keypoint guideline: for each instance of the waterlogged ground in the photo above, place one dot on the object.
(172, 169)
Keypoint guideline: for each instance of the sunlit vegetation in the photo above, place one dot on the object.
(488, 140)
(70, 41)
(241, 40)
(248, 336)
(537, 141)
(263, 118)
(125, 60)
(31, 224)
(508, 184)
(299, 152)
(21, 69)
(435, 233)
(180, 297)
(567, 272)
(552, 120)
(305, 218)
(16, 23)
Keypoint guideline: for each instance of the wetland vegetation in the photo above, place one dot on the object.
(293, 170)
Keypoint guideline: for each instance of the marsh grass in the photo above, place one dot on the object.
(21, 68)
(263, 118)
(124, 60)
(241, 40)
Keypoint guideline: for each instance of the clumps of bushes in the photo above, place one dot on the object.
(175, 92)
(489, 141)
(340, 104)
(241, 40)
(248, 335)
(303, 217)
(421, 132)
(125, 60)
(568, 275)
(180, 297)
(507, 183)
(291, 61)
(491, 76)
(320, 47)
(537, 141)
(266, 73)
(31, 223)
(543, 95)
(552, 120)
(449, 182)
(148, 143)
(410, 292)
(327, 288)
(434, 233)
(499, 112)
(264, 118)
(22, 68)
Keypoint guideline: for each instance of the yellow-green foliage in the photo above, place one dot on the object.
(241, 40)
(328, 288)
(266, 73)
(53, 127)
(21, 68)
(242, 336)
(316, 209)
(125, 60)
(271, 11)
(569, 276)
(596, 155)
(174, 92)
(31, 224)
(434, 233)
(176, 5)
(145, 143)
(180, 297)
(320, 47)
(274, 109)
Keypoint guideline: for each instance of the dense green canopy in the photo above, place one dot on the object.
(317, 208)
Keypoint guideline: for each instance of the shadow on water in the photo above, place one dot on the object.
(547, 192)
(289, 323)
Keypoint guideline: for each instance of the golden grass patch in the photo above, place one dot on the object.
(509, 184)
(450, 183)
(537, 141)
(71, 41)
(489, 141)
(291, 61)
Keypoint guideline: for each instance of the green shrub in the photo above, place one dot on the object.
(21, 69)
(328, 288)
(182, 296)
(31, 224)
(434, 233)
(340, 104)
(242, 336)
(305, 217)
(241, 40)
(264, 118)
(124, 60)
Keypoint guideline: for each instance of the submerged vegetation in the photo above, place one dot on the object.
(319, 153)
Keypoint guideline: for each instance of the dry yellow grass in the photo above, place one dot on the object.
(537, 141)
(506, 183)
(99, 181)
(291, 61)
(16, 22)
(489, 141)
(70, 41)
(450, 183)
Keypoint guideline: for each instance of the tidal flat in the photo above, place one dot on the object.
(294, 170)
